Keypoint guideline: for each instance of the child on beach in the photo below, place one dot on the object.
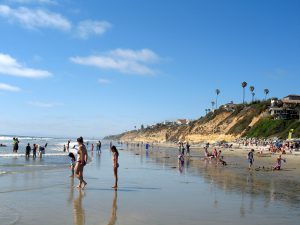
(72, 163)
(250, 158)
(277, 166)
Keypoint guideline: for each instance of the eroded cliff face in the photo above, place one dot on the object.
(218, 126)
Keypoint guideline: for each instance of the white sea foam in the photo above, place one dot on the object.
(8, 155)
(10, 138)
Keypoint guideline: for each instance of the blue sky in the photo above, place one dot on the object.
(92, 68)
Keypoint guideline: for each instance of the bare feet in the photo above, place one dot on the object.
(84, 184)
(114, 187)
(78, 186)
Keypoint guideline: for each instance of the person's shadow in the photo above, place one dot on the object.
(113, 216)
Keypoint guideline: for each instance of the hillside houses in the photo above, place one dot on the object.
(286, 108)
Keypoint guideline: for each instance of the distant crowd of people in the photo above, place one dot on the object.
(34, 149)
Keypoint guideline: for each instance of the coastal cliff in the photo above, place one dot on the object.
(252, 120)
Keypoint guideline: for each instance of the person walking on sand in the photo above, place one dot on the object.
(250, 158)
(115, 155)
(82, 157)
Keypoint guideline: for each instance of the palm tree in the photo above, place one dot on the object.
(217, 92)
(252, 89)
(266, 93)
(253, 94)
(207, 111)
(212, 105)
(244, 84)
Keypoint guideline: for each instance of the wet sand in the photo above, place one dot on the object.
(153, 189)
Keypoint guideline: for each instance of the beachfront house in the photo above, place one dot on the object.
(168, 123)
(182, 122)
(286, 108)
(230, 107)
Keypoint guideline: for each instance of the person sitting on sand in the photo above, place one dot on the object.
(250, 158)
(220, 158)
(115, 158)
(82, 158)
(277, 166)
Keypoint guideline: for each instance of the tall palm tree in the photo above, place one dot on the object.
(253, 94)
(217, 92)
(252, 91)
(266, 93)
(207, 111)
(244, 84)
(212, 105)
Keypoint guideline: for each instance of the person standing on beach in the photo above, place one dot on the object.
(188, 149)
(68, 145)
(82, 158)
(115, 164)
(28, 150)
(34, 151)
(251, 158)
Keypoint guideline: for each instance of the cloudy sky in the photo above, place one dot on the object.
(98, 67)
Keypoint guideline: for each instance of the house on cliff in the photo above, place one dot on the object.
(286, 108)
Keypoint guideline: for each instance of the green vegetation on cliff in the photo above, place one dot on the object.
(268, 127)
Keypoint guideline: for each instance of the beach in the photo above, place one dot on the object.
(153, 189)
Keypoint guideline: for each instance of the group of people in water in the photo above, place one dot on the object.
(34, 149)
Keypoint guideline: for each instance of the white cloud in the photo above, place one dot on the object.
(44, 104)
(49, 2)
(35, 18)
(104, 81)
(7, 87)
(10, 66)
(122, 60)
(87, 28)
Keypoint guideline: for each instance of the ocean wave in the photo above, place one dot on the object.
(10, 138)
(23, 155)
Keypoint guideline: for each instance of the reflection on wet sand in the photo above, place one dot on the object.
(78, 210)
(113, 216)
(232, 179)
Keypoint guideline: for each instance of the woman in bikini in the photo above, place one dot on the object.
(115, 164)
(82, 158)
